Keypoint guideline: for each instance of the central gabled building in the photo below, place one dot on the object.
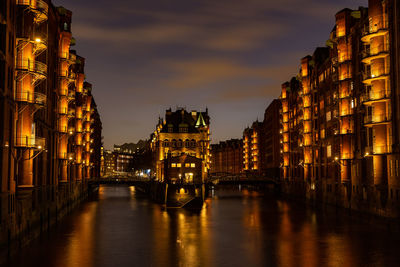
(181, 133)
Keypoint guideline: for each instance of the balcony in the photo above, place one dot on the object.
(380, 149)
(62, 111)
(376, 96)
(39, 7)
(68, 156)
(346, 156)
(31, 98)
(346, 113)
(62, 128)
(368, 78)
(345, 77)
(343, 59)
(71, 95)
(368, 55)
(379, 28)
(37, 68)
(32, 142)
(346, 131)
(377, 119)
(71, 113)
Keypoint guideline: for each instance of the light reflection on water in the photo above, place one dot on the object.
(234, 228)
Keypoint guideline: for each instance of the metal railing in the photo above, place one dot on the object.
(377, 118)
(32, 66)
(368, 75)
(31, 97)
(62, 128)
(381, 49)
(380, 149)
(71, 113)
(64, 55)
(376, 95)
(63, 111)
(39, 5)
(30, 141)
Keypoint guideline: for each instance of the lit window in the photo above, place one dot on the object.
(329, 151)
(187, 165)
(173, 165)
(178, 165)
(193, 165)
(328, 116)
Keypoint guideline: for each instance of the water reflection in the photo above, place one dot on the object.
(234, 228)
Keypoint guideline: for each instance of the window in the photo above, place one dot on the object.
(187, 165)
(193, 165)
(328, 116)
(170, 129)
(178, 165)
(173, 165)
(329, 151)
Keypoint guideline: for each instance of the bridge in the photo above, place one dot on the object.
(132, 180)
(252, 180)
(144, 183)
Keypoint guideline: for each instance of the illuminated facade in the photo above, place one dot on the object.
(49, 126)
(262, 143)
(227, 158)
(340, 115)
(252, 146)
(181, 132)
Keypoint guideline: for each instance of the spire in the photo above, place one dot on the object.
(200, 121)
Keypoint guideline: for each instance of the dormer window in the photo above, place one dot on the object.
(183, 129)
(170, 129)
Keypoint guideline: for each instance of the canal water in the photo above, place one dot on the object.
(120, 227)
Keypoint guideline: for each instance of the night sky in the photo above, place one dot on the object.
(228, 55)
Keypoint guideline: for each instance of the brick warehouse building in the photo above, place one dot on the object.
(341, 116)
(50, 129)
(261, 144)
(227, 158)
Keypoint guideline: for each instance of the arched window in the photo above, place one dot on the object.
(166, 143)
(173, 143)
(187, 143)
(180, 143)
(193, 143)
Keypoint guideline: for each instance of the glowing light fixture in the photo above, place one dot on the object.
(38, 40)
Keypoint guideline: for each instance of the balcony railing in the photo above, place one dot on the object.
(381, 149)
(71, 113)
(62, 128)
(374, 95)
(71, 95)
(380, 50)
(30, 142)
(63, 111)
(377, 118)
(343, 59)
(345, 156)
(368, 77)
(31, 97)
(37, 5)
(33, 66)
